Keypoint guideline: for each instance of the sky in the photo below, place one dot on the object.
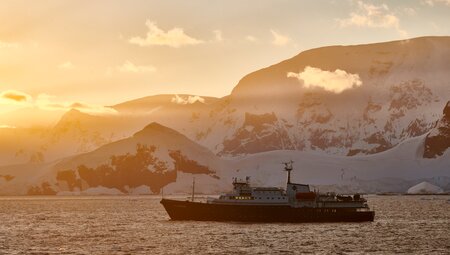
(58, 54)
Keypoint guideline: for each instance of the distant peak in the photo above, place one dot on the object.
(73, 111)
(155, 127)
(70, 114)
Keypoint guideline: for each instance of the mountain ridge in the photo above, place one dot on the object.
(397, 106)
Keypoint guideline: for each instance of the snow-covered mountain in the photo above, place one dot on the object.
(77, 132)
(342, 100)
(373, 110)
(158, 158)
(150, 159)
(395, 90)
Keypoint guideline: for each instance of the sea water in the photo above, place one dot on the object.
(140, 225)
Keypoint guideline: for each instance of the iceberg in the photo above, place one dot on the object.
(425, 188)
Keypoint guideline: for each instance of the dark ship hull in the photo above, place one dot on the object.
(186, 210)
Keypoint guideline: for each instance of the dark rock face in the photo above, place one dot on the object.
(447, 111)
(415, 128)
(375, 139)
(7, 177)
(409, 95)
(132, 170)
(44, 189)
(70, 177)
(438, 140)
(258, 133)
(187, 165)
(312, 110)
(370, 109)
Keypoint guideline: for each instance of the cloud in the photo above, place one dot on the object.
(129, 67)
(409, 11)
(14, 96)
(189, 100)
(8, 45)
(372, 16)
(7, 126)
(218, 36)
(18, 100)
(279, 40)
(91, 108)
(66, 66)
(174, 37)
(336, 81)
(434, 2)
(251, 38)
(49, 103)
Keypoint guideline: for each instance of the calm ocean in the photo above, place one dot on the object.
(139, 225)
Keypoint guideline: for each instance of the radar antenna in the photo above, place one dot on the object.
(288, 168)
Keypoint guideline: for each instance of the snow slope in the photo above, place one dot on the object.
(425, 188)
(402, 164)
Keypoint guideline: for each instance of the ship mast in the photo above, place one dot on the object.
(193, 188)
(288, 168)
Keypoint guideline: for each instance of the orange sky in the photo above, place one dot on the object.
(57, 53)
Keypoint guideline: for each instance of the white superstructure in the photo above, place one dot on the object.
(295, 195)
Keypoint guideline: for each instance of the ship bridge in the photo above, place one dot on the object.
(244, 193)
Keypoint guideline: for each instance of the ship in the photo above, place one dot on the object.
(295, 203)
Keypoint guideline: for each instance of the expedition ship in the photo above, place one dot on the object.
(270, 204)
